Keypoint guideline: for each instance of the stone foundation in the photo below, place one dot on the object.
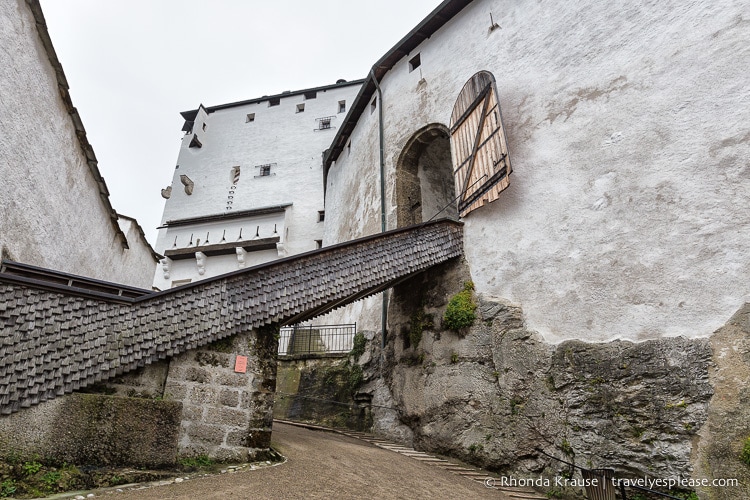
(323, 390)
(226, 415)
(498, 396)
(94, 429)
(194, 404)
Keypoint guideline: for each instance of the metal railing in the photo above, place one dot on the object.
(607, 484)
(316, 339)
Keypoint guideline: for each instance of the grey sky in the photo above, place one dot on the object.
(133, 65)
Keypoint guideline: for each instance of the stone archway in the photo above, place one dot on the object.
(424, 177)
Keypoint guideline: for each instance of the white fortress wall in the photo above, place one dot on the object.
(627, 212)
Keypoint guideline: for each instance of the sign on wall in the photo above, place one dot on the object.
(478, 144)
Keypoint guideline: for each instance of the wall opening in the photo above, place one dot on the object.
(424, 178)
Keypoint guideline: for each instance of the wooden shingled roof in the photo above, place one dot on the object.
(55, 339)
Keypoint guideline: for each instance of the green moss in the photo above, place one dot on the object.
(358, 345)
(7, 488)
(356, 377)
(461, 310)
(31, 468)
(566, 447)
(476, 448)
(745, 455)
(196, 462)
(681, 404)
(225, 345)
(516, 404)
(417, 324)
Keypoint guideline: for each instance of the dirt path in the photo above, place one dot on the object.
(326, 465)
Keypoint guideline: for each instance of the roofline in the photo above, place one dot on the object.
(421, 32)
(272, 209)
(62, 85)
(190, 115)
(157, 256)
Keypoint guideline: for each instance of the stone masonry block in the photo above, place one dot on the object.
(227, 416)
(259, 438)
(192, 413)
(176, 391)
(229, 398)
(234, 379)
(237, 438)
(206, 433)
(200, 375)
(200, 394)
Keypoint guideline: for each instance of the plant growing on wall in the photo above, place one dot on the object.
(461, 310)
(418, 323)
(745, 455)
(358, 345)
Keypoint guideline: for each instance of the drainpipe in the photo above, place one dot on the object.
(384, 313)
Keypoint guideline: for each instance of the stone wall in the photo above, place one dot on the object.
(94, 429)
(722, 438)
(624, 218)
(497, 394)
(55, 211)
(226, 415)
(194, 404)
(322, 389)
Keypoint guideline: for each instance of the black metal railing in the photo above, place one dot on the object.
(316, 339)
(607, 484)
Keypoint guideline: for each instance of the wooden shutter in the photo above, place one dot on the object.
(478, 144)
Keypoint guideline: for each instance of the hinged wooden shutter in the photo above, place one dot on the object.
(478, 144)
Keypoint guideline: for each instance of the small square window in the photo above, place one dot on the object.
(414, 63)
(325, 123)
(311, 95)
(373, 105)
(204, 127)
(321, 215)
(318, 243)
(265, 170)
(342, 106)
(301, 108)
(275, 101)
(250, 118)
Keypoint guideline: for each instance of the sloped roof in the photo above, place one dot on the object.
(57, 338)
(62, 83)
(424, 30)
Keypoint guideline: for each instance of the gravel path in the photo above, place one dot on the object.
(326, 465)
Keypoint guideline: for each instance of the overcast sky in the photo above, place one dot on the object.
(133, 65)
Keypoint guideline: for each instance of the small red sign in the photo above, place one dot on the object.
(240, 364)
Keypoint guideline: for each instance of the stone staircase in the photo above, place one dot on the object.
(479, 475)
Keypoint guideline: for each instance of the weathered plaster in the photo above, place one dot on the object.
(53, 212)
(626, 216)
(279, 135)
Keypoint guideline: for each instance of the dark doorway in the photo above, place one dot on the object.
(424, 178)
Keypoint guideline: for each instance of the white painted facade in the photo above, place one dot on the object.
(283, 209)
(627, 214)
(54, 207)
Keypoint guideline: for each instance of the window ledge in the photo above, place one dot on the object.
(223, 248)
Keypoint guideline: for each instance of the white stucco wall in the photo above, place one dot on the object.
(628, 127)
(279, 135)
(51, 211)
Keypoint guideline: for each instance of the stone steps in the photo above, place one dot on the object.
(472, 474)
